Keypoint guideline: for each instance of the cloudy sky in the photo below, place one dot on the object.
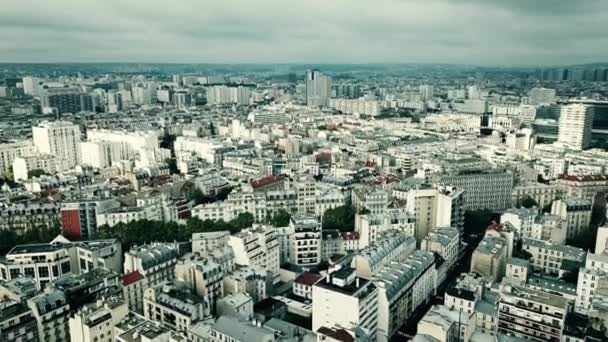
(487, 32)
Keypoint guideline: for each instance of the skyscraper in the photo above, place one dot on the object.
(426, 92)
(58, 138)
(318, 88)
(575, 123)
(66, 100)
(541, 96)
(30, 85)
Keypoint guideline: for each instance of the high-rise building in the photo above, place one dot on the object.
(426, 92)
(541, 96)
(531, 314)
(66, 100)
(318, 88)
(575, 124)
(30, 85)
(60, 139)
(343, 300)
(228, 95)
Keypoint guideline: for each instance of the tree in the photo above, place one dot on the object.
(280, 219)
(36, 173)
(476, 221)
(172, 163)
(211, 128)
(528, 202)
(242, 221)
(341, 218)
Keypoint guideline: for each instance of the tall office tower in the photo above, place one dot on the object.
(66, 100)
(58, 138)
(575, 123)
(473, 93)
(318, 88)
(541, 96)
(30, 85)
(426, 92)
(223, 95)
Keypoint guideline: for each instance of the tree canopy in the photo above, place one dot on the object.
(8, 238)
(528, 202)
(341, 218)
(280, 219)
(146, 231)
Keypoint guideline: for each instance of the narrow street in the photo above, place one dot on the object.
(408, 330)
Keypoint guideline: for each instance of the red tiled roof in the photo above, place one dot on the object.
(350, 235)
(308, 278)
(323, 157)
(131, 278)
(589, 178)
(337, 334)
(495, 226)
(266, 181)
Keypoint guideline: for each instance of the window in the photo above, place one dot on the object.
(65, 267)
(29, 271)
(55, 270)
(43, 271)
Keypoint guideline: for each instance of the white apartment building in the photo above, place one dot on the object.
(373, 200)
(444, 241)
(95, 322)
(156, 262)
(305, 242)
(355, 106)
(50, 164)
(258, 248)
(531, 314)
(101, 154)
(10, 151)
(60, 139)
(133, 285)
(549, 258)
(207, 242)
(204, 276)
(370, 227)
(589, 281)
(174, 305)
(218, 95)
(437, 206)
(43, 262)
(575, 123)
(51, 311)
(392, 246)
(115, 216)
(575, 212)
(318, 88)
(523, 221)
(542, 194)
(344, 300)
(402, 287)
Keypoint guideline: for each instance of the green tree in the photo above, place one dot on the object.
(36, 173)
(528, 202)
(242, 221)
(476, 221)
(280, 219)
(341, 218)
(172, 163)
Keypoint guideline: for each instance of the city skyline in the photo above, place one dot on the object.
(473, 32)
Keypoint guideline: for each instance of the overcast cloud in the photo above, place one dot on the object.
(488, 32)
